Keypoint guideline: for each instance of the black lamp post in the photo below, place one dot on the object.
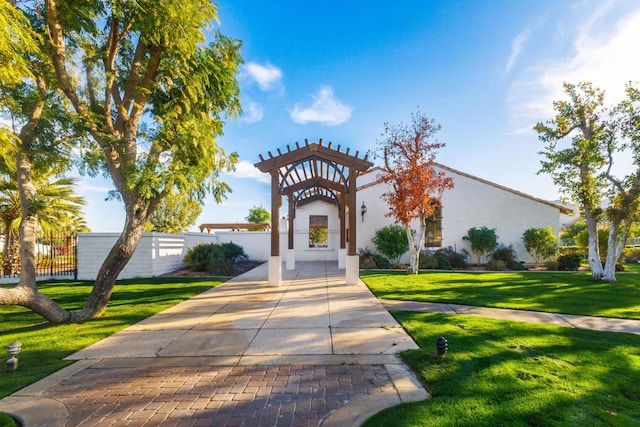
(363, 210)
(442, 345)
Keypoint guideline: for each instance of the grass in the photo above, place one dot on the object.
(502, 373)
(571, 293)
(44, 345)
(632, 267)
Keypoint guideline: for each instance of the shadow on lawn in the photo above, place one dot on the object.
(511, 373)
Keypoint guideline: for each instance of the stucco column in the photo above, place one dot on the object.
(352, 268)
(275, 271)
(275, 262)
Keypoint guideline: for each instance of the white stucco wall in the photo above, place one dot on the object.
(301, 233)
(156, 254)
(471, 203)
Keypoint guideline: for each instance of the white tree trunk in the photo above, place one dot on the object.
(593, 255)
(615, 246)
(416, 242)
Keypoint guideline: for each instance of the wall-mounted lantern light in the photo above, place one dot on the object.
(363, 210)
(13, 349)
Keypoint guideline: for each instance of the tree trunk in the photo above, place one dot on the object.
(7, 255)
(137, 213)
(615, 246)
(414, 248)
(595, 264)
(26, 292)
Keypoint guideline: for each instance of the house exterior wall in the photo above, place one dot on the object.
(301, 233)
(471, 203)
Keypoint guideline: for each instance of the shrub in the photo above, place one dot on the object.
(427, 261)
(456, 260)
(496, 265)
(551, 264)
(482, 240)
(391, 241)
(507, 255)
(444, 263)
(214, 258)
(233, 252)
(198, 256)
(631, 254)
(370, 260)
(541, 243)
(569, 262)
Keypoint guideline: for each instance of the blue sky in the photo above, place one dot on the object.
(487, 71)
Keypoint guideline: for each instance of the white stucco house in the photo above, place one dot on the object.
(473, 202)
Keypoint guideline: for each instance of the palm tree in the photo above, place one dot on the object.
(57, 207)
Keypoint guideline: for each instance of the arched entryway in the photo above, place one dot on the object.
(309, 173)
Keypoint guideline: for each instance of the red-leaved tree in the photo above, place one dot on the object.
(408, 152)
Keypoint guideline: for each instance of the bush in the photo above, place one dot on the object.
(496, 265)
(482, 240)
(233, 252)
(391, 241)
(427, 261)
(442, 259)
(541, 243)
(551, 264)
(456, 260)
(631, 254)
(214, 258)
(198, 256)
(371, 260)
(569, 262)
(507, 255)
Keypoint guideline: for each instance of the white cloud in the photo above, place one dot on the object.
(266, 76)
(603, 53)
(82, 186)
(245, 169)
(516, 48)
(325, 109)
(252, 112)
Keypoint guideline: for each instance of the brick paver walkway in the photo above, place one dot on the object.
(312, 351)
(290, 395)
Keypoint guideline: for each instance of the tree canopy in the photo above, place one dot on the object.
(152, 84)
(541, 243)
(391, 241)
(258, 215)
(408, 152)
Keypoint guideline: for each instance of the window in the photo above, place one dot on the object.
(318, 231)
(433, 228)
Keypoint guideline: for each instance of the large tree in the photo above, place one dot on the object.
(153, 96)
(175, 214)
(408, 152)
(34, 150)
(582, 144)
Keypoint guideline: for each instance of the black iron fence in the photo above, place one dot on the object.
(56, 256)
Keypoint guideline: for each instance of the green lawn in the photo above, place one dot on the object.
(45, 345)
(572, 293)
(632, 267)
(502, 373)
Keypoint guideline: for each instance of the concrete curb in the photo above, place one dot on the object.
(407, 389)
(34, 411)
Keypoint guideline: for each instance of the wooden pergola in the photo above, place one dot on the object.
(309, 173)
